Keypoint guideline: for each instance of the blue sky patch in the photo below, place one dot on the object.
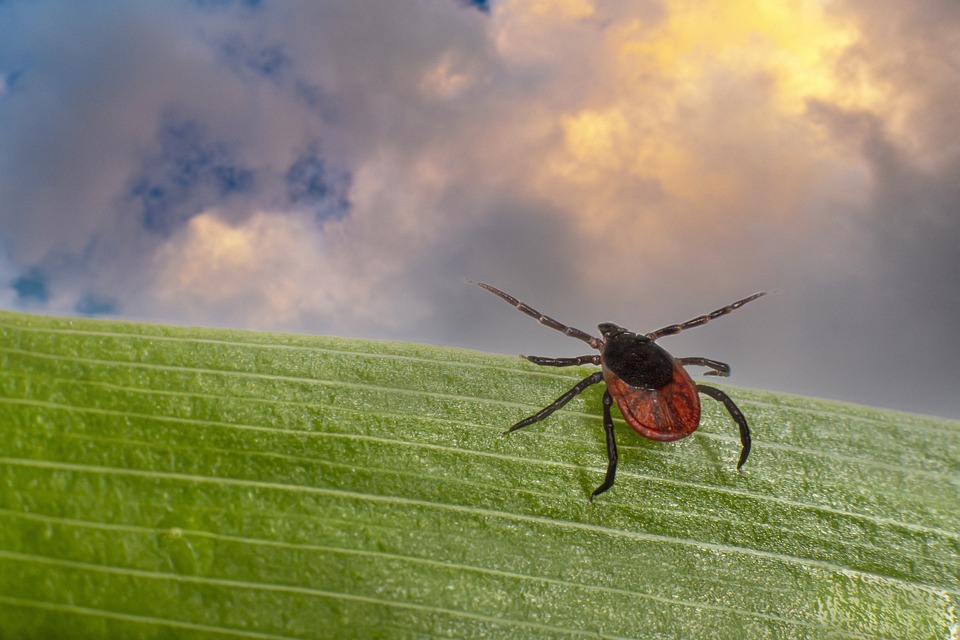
(266, 61)
(214, 4)
(31, 286)
(482, 5)
(312, 182)
(9, 81)
(188, 175)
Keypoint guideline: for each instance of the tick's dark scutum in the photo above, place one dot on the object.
(638, 361)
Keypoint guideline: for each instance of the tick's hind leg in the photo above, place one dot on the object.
(737, 416)
(718, 368)
(611, 447)
(563, 362)
(559, 402)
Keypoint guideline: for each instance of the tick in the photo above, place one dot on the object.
(652, 389)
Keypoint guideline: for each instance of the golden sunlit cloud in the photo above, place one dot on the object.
(445, 80)
(676, 97)
(559, 9)
(526, 28)
(214, 265)
(798, 44)
(592, 139)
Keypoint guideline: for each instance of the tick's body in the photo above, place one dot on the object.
(653, 391)
(665, 413)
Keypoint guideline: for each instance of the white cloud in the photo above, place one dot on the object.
(258, 271)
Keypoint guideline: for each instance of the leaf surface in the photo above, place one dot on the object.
(159, 481)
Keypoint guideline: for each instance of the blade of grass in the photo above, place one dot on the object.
(209, 483)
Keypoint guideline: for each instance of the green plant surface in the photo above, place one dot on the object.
(161, 482)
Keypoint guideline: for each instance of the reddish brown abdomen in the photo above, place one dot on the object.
(669, 413)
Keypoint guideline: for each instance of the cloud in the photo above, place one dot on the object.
(313, 182)
(255, 270)
(187, 175)
(338, 167)
(903, 313)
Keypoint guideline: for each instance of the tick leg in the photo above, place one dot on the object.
(547, 321)
(719, 368)
(704, 319)
(559, 402)
(563, 362)
(737, 416)
(611, 447)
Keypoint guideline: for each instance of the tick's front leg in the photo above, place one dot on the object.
(563, 362)
(559, 402)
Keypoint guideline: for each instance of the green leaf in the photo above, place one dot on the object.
(171, 482)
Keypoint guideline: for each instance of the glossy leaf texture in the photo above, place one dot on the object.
(198, 483)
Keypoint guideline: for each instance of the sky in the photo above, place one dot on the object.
(340, 167)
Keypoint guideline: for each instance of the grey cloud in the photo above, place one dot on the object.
(131, 122)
